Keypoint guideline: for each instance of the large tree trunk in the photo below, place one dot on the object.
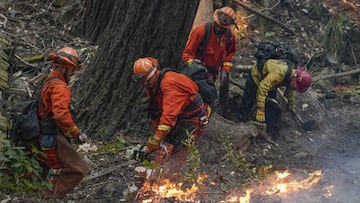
(107, 98)
(204, 13)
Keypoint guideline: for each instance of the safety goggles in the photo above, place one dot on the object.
(140, 78)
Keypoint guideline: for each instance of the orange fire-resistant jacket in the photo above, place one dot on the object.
(56, 96)
(176, 92)
(272, 76)
(215, 52)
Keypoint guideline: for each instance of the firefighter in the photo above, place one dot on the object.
(175, 105)
(217, 52)
(62, 165)
(261, 88)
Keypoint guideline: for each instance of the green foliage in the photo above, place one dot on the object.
(238, 160)
(19, 172)
(113, 147)
(333, 36)
(193, 158)
(355, 94)
(270, 35)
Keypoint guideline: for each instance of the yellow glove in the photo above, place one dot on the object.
(153, 143)
(260, 115)
(191, 61)
(227, 66)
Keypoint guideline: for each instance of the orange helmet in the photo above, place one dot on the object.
(225, 17)
(302, 80)
(67, 57)
(144, 69)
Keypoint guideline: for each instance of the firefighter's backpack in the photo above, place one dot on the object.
(25, 127)
(199, 74)
(274, 50)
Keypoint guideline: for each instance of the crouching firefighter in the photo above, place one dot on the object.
(61, 164)
(261, 90)
(176, 107)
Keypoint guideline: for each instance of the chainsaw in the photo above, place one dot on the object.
(158, 156)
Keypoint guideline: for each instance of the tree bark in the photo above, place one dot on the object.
(204, 13)
(106, 98)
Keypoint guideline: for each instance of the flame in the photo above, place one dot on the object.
(284, 183)
(245, 199)
(278, 184)
(167, 189)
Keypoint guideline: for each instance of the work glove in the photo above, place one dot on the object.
(227, 67)
(153, 143)
(191, 61)
(82, 138)
(260, 115)
(76, 134)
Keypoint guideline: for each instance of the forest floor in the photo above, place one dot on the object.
(323, 164)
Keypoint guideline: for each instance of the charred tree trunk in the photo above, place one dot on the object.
(107, 99)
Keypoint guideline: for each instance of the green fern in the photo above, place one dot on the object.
(332, 38)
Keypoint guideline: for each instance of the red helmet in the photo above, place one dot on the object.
(302, 80)
(225, 17)
(67, 57)
(144, 69)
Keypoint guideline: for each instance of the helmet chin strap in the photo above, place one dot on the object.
(66, 76)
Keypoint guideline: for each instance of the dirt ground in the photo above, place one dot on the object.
(332, 148)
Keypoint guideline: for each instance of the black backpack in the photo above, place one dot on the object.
(25, 127)
(205, 40)
(199, 74)
(275, 50)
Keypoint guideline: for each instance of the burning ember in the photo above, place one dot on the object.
(166, 189)
(280, 183)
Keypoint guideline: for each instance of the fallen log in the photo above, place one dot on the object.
(39, 57)
(242, 68)
(342, 74)
(265, 16)
(107, 171)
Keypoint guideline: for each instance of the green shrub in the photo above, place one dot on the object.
(19, 172)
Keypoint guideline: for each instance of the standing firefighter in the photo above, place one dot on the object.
(62, 164)
(213, 45)
(175, 106)
(261, 89)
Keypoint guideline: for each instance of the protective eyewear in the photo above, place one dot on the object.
(140, 78)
